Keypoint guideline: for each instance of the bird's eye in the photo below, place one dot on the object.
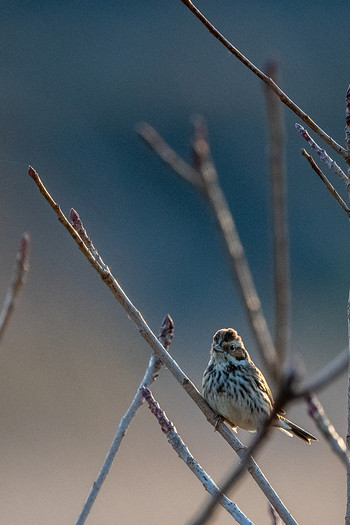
(232, 347)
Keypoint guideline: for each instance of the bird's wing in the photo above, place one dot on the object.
(264, 387)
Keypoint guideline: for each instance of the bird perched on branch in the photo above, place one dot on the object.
(237, 390)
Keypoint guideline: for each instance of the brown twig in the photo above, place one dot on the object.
(347, 516)
(166, 358)
(268, 81)
(168, 155)
(347, 123)
(205, 170)
(326, 182)
(323, 154)
(280, 222)
(316, 411)
(20, 274)
(325, 376)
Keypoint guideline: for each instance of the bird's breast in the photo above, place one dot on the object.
(230, 393)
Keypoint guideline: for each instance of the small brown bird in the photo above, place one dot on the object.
(236, 389)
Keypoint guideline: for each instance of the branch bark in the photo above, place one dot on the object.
(268, 81)
(347, 516)
(326, 182)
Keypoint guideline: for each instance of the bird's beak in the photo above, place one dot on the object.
(217, 348)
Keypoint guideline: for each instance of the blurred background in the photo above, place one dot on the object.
(76, 77)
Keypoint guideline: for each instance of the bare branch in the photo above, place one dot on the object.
(326, 182)
(268, 81)
(322, 154)
(20, 274)
(316, 411)
(166, 358)
(216, 198)
(78, 226)
(168, 155)
(347, 516)
(183, 452)
(165, 337)
(325, 376)
(280, 220)
(347, 122)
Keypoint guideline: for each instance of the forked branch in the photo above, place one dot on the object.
(203, 170)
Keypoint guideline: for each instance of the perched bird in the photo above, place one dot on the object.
(236, 389)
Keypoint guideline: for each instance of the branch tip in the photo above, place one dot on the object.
(74, 217)
(166, 333)
(330, 163)
(24, 247)
(32, 173)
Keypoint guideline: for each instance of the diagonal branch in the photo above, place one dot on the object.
(20, 274)
(317, 413)
(347, 122)
(347, 516)
(183, 452)
(165, 357)
(168, 155)
(325, 376)
(322, 154)
(326, 182)
(268, 81)
(165, 337)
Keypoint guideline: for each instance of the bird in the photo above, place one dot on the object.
(237, 390)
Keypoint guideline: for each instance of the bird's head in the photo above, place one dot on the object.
(228, 345)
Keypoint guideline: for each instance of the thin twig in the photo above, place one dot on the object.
(325, 376)
(167, 360)
(284, 395)
(326, 182)
(78, 226)
(183, 452)
(20, 274)
(168, 155)
(347, 123)
(347, 516)
(216, 198)
(330, 163)
(316, 411)
(165, 337)
(268, 81)
(280, 220)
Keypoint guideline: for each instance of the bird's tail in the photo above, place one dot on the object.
(290, 428)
